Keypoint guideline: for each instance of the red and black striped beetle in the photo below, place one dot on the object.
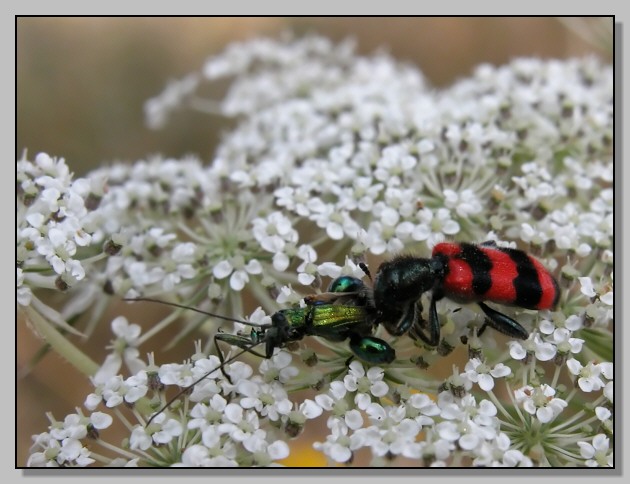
(465, 273)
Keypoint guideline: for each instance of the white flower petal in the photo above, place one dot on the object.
(233, 412)
(278, 450)
(222, 269)
(238, 280)
(486, 382)
(353, 419)
(101, 420)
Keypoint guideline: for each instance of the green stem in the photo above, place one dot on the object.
(118, 450)
(60, 344)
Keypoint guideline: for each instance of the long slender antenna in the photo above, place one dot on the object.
(200, 311)
(222, 365)
(365, 270)
(185, 389)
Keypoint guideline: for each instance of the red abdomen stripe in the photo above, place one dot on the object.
(505, 276)
(550, 289)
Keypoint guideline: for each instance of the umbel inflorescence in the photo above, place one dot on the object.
(335, 160)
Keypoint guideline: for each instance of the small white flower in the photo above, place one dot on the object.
(332, 270)
(334, 401)
(72, 451)
(24, 294)
(589, 379)
(164, 429)
(394, 162)
(603, 413)
(278, 367)
(111, 391)
(478, 372)
(263, 451)
(586, 286)
(329, 218)
(365, 384)
(422, 408)
(565, 343)
(294, 199)
(136, 387)
(310, 409)
(207, 415)
(239, 424)
(597, 454)
(606, 369)
(142, 274)
(498, 453)
(338, 444)
(287, 296)
(129, 333)
(198, 455)
(124, 349)
(437, 224)
(140, 438)
(274, 232)
(176, 374)
(238, 269)
(268, 399)
(180, 266)
(48, 448)
(608, 391)
(295, 420)
(393, 433)
(465, 203)
(543, 351)
(74, 426)
(540, 401)
(572, 323)
(158, 109)
(208, 369)
(307, 269)
(101, 420)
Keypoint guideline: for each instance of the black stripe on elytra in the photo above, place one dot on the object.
(480, 265)
(526, 283)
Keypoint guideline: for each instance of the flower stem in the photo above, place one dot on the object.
(61, 344)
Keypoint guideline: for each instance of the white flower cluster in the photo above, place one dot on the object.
(233, 417)
(393, 430)
(62, 445)
(237, 422)
(51, 222)
(361, 148)
(225, 426)
(331, 146)
(394, 166)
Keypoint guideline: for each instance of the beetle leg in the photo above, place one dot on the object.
(243, 342)
(405, 322)
(433, 338)
(502, 323)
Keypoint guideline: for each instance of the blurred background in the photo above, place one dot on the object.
(82, 83)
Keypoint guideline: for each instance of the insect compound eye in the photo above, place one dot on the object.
(257, 335)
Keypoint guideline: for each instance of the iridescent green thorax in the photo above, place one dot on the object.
(325, 317)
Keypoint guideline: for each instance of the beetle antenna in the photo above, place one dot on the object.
(191, 308)
(365, 270)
